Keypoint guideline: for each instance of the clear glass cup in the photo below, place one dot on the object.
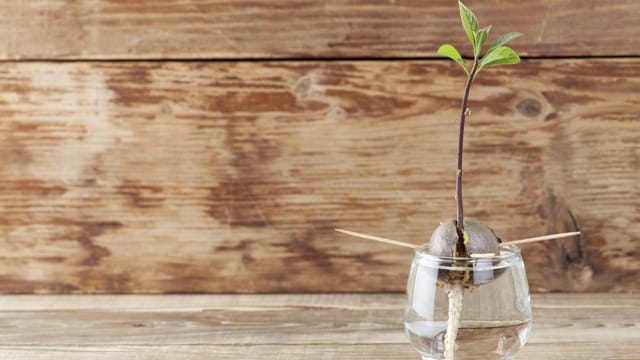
(495, 314)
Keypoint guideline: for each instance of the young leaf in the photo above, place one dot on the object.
(480, 37)
(503, 40)
(469, 22)
(498, 56)
(452, 53)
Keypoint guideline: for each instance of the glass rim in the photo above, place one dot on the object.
(513, 251)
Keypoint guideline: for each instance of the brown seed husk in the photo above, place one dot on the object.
(482, 240)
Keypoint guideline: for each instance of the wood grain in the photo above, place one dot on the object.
(367, 326)
(230, 177)
(221, 29)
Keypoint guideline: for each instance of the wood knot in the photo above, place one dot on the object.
(302, 87)
(336, 113)
(529, 107)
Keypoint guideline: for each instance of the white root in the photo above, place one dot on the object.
(456, 292)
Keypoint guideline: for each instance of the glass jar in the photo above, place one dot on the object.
(484, 302)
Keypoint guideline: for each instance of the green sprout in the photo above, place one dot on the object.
(497, 54)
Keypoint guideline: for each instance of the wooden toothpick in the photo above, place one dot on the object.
(541, 238)
(422, 247)
(381, 239)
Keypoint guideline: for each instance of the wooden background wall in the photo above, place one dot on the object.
(213, 145)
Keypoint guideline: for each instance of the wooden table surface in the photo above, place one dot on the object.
(327, 326)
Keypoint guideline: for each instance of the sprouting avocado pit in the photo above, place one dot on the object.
(482, 239)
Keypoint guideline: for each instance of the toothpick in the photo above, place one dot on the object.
(482, 256)
(380, 239)
(421, 247)
(541, 238)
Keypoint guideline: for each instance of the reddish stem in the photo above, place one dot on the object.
(463, 113)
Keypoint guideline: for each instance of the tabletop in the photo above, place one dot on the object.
(286, 326)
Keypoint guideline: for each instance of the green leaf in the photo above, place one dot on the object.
(499, 56)
(469, 22)
(465, 236)
(452, 53)
(480, 37)
(503, 40)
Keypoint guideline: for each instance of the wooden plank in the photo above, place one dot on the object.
(200, 302)
(221, 29)
(230, 177)
(286, 327)
(568, 351)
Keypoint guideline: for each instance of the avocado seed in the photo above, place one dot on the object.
(482, 240)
